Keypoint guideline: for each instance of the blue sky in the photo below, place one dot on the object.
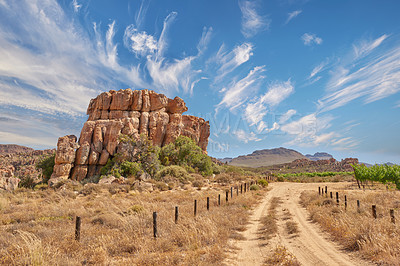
(308, 75)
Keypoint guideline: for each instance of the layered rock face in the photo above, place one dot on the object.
(125, 112)
(7, 180)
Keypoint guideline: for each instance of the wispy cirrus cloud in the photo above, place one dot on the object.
(309, 130)
(310, 39)
(373, 77)
(286, 116)
(365, 47)
(252, 22)
(227, 62)
(245, 137)
(292, 15)
(239, 91)
(76, 5)
(277, 92)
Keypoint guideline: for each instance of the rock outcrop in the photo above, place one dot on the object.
(125, 112)
(7, 180)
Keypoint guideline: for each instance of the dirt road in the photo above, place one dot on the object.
(310, 245)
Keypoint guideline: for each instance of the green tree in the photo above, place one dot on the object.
(46, 164)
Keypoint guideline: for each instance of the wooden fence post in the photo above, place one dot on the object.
(245, 187)
(208, 203)
(231, 192)
(337, 198)
(392, 219)
(195, 207)
(374, 211)
(78, 228)
(155, 224)
(219, 199)
(241, 188)
(326, 190)
(345, 202)
(358, 205)
(227, 196)
(319, 190)
(331, 195)
(176, 214)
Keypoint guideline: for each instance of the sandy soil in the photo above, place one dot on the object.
(310, 245)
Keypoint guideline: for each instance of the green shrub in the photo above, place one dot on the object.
(185, 152)
(42, 186)
(254, 187)
(174, 171)
(263, 182)
(46, 164)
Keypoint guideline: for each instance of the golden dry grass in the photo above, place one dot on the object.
(356, 229)
(282, 257)
(37, 227)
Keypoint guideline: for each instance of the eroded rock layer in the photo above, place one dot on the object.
(125, 112)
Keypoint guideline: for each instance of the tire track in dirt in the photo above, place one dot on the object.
(310, 246)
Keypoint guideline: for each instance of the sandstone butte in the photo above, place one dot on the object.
(130, 112)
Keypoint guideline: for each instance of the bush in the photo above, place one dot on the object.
(27, 182)
(254, 187)
(185, 152)
(173, 171)
(46, 164)
(263, 182)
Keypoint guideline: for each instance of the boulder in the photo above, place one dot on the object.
(66, 147)
(79, 172)
(176, 106)
(157, 101)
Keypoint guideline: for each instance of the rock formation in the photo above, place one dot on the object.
(7, 180)
(125, 112)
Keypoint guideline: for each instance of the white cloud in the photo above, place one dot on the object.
(252, 22)
(241, 135)
(308, 130)
(238, 91)
(139, 43)
(162, 41)
(292, 15)
(277, 92)
(285, 117)
(228, 62)
(205, 39)
(76, 5)
(141, 13)
(366, 47)
(372, 79)
(316, 70)
(310, 39)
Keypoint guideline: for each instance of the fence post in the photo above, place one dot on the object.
(176, 214)
(337, 198)
(231, 192)
(155, 224)
(245, 187)
(208, 203)
(331, 195)
(374, 211)
(78, 228)
(237, 190)
(393, 220)
(195, 207)
(227, 196)
(326, 190)
(358, 205)
(241, 188)
(345, 202)
(319, 190)
(219, 199)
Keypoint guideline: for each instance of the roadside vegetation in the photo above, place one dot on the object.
(378, 173)
(356, 228)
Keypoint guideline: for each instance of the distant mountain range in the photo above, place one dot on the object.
(13, 148)
(319, 156)
(266, 157)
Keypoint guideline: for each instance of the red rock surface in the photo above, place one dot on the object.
(125, 112)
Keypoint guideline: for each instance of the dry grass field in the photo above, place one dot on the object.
(37, 227)
(355, 228)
